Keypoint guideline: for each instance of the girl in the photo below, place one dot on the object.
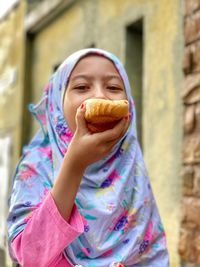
(82, 198)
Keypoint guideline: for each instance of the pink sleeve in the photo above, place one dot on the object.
(46, 235)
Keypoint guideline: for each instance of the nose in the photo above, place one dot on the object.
(99, 92)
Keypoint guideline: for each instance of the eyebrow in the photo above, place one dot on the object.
(88, 77)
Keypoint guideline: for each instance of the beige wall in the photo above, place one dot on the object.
(163, 113)
(103, 23)
(11, 92)
(12, 63)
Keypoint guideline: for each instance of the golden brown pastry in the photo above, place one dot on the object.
(103, 114)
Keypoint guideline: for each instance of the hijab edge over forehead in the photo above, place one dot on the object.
(77, 56)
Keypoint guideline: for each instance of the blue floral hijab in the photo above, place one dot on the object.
(121, 220)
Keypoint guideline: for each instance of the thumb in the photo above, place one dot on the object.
(80, 119)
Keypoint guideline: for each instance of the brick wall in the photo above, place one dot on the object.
(189, 245)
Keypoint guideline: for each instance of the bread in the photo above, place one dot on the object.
(103, 114)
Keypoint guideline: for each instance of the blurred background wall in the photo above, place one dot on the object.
(147, 35)
(12, 45)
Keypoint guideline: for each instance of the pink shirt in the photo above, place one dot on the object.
(46, 235)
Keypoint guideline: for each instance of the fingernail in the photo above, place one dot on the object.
(82, 105)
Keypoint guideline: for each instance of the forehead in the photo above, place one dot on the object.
(94, 64)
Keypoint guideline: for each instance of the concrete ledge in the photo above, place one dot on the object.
(7, 8)
(44, 13)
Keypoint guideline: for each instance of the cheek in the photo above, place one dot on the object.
(125, 95)
(70, 114)
(121, 96)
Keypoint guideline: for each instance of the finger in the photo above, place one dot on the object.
(113, 142)
(126, 127)
(109, 145)
(114, 133)
(80, 119)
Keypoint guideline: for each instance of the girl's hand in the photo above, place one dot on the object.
(86, 147)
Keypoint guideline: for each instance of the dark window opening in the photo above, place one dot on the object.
(134, 67)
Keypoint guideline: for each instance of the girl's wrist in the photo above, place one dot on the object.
(73, 164)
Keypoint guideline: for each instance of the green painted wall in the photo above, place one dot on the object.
(104, 23)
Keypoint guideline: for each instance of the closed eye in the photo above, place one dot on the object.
(81, 87)
(114, 88)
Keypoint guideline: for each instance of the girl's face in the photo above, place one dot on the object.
(93, 77)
